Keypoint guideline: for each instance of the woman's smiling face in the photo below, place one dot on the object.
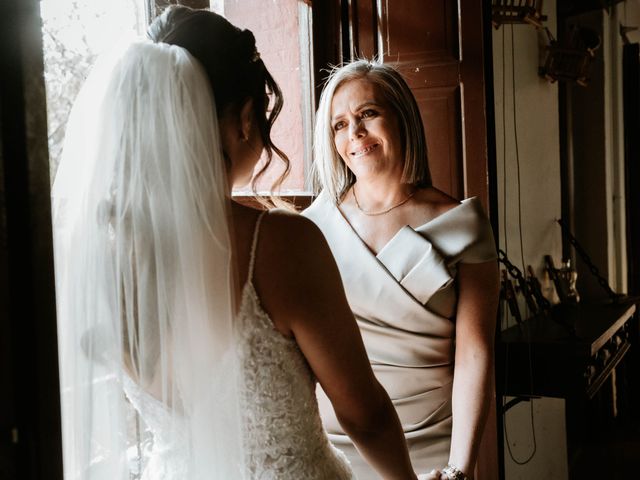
(365, 130)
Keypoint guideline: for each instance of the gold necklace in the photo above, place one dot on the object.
(373, 214)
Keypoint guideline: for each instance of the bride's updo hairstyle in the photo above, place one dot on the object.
(232, 63)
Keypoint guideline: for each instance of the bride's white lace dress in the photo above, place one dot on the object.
(283, 434)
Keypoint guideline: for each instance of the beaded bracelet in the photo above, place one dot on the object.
(454, 473)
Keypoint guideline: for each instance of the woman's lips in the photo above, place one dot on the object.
(364, 150)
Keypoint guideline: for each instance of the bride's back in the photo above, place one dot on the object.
(283, 434)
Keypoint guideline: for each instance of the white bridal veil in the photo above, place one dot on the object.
(143, 276)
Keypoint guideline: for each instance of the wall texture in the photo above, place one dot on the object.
(277, 30)
(529, 192)
(536, 148)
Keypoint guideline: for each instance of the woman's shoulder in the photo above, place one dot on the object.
(287, 222)
(460, 229)
(291, 234)
(280, 222)
(292, 256)
(435, 200)
(438, 203)
(435, 195)
(320, 208)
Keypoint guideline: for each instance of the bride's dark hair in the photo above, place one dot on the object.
(232, 63)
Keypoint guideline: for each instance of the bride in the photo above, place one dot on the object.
(192, 330)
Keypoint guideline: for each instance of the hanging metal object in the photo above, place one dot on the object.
(517, 11)
(588, 262)
(570, 60)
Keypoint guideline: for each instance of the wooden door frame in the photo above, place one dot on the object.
(30, 423)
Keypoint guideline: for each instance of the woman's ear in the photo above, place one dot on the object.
(246, 119)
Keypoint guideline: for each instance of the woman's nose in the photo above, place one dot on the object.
(357, 129)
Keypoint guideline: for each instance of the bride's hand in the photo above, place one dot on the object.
(433, 475)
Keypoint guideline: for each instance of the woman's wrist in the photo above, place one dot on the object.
(454, 473)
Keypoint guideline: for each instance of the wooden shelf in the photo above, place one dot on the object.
(569, 352)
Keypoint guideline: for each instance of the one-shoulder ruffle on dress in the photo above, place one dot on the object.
(404, 300)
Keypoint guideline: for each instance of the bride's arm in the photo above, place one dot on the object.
(300, 287)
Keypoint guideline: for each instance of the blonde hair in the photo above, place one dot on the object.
(329, 172)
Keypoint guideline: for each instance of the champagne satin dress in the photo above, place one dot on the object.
(404, 300)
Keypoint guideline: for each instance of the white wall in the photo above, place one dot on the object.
(538, 146)
(546, 456)
(539, 194)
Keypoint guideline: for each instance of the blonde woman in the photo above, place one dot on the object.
(419, 269)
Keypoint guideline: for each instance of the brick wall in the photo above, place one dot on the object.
(275, 26)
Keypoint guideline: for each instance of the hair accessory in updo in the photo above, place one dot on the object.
(246, 50)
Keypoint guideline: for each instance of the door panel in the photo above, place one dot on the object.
(440, 113)
(365, 31)
(419, 31)
(424, 48)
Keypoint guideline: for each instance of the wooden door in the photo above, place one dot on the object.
(30, 423)
(421, 39)
(438, 46)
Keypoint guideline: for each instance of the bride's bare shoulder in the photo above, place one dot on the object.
(280, 229)
(292, 229)
(293, 267)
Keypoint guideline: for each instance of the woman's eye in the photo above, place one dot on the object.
(338, 126)
(368, 113)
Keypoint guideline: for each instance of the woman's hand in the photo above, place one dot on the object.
(433, 475)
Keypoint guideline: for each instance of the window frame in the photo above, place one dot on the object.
(323, 23)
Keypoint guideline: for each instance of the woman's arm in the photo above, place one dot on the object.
(474, 360)
(305, 297)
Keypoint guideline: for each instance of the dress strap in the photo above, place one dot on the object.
(254, 244)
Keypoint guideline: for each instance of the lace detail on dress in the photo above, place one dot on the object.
(284, 437)
(163, 455)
